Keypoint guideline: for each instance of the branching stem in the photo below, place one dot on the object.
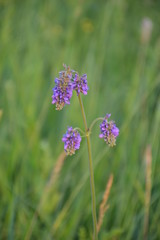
(90, 169)
(79, 129)
(94, 122)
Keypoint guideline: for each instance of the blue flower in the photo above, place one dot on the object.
(71, 141)
(109, 131)
(80, 84)
(62, 92)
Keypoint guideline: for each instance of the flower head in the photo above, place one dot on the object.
(80, 84)
(62, 92)
(71, 141)
(109, 131)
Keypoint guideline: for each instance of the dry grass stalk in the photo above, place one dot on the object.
(148, 162)
(55, 172)
(54, 175)
(146, 30)
(103, 205)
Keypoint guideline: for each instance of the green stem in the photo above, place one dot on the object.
(93, 123)
(77, 128)
(90, 169)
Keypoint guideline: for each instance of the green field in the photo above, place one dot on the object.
(117, 43)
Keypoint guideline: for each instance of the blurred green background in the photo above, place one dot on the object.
(117, 43)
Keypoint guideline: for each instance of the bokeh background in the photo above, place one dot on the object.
(117, 43)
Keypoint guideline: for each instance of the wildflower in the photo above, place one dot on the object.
(80, 84)
(71, 141)
(62, 92)
(109, 131)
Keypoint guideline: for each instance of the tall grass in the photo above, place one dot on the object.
(104, 40)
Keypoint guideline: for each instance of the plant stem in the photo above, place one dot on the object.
(90, 169)
(77, 128)
(93, 123)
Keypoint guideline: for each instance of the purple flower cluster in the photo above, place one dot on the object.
(64, 86)
(71, 141)
(62, 92)
(80, 84)
(109, 131)
(67, 82)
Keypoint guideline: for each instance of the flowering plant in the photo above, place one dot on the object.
(67, 82)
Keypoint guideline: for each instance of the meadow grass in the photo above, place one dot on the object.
(105, 40)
